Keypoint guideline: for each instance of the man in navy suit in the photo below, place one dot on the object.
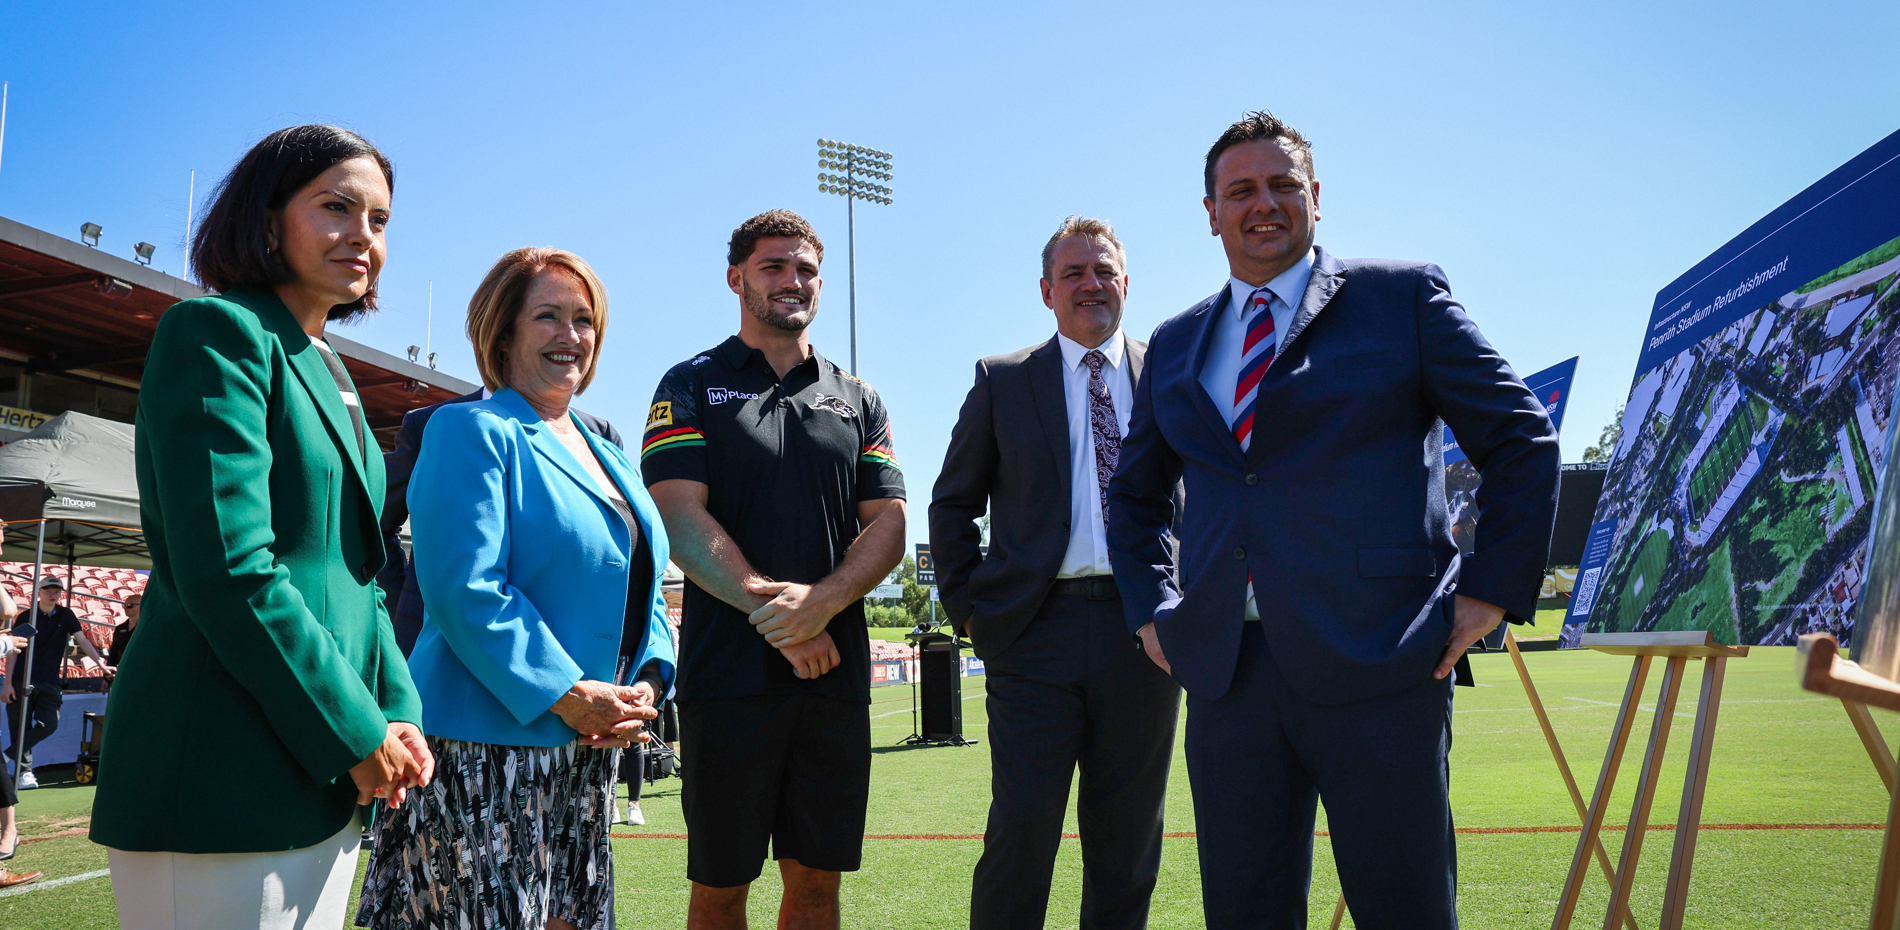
(1314, 605)
(398, 577)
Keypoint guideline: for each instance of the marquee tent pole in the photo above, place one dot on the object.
(23, 693)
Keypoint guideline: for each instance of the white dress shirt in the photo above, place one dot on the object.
(1088, 537)
(1222, 368)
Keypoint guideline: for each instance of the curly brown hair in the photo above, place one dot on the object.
(767, 225)
(1253, 127)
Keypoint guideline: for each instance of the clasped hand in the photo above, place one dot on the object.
(402, 762)
(608, 716)
(793, 620)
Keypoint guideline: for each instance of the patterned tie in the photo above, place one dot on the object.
(1256, 353)
(1108, 435)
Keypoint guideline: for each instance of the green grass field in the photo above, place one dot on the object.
(1782, 756)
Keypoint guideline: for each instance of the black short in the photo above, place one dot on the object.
(792, 768)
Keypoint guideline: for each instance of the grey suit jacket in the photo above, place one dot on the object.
(1009, 455)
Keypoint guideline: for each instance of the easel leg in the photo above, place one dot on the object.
(1339, 912)
(1600, 798)
(1887, 880)
(1689, 818)
(1563, 765)
(1870, 737)
(1645, 790)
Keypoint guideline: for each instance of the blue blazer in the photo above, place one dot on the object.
(523, 565)
(400, 590)
(1337, 509)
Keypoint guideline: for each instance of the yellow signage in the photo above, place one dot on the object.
(22, 420)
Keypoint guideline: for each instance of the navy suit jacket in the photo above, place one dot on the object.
(1337, 510)
(398, 577)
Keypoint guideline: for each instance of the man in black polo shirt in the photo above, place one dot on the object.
(774, 472)
(57, 627)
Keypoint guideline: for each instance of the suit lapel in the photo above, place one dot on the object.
(549, 445)
(307, 362)
(1203, 344)
(1137, 355)
(1328, 275)
(613, 462)
(1045, 386)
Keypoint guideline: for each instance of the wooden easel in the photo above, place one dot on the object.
(1563, 768)
(1677, 649)
(1823, 671)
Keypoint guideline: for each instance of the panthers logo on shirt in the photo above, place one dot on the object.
(836, 405)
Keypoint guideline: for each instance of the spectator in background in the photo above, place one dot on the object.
(56, 629)
(122, 635)
(9, 830)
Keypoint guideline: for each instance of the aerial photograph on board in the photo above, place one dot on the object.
(1742, 486)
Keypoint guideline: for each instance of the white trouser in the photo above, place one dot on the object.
(300, 889)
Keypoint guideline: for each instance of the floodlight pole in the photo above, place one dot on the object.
(851, 251)
(853, 160)
(3, 116)
(191, 193)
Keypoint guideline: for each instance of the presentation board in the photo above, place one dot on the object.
(1552, 386)
(1738, 498)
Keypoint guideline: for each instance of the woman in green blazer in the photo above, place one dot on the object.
(267, 700)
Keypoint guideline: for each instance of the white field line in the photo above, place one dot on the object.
(890, 713)
(55, 883)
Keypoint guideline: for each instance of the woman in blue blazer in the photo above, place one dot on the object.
(544, 644)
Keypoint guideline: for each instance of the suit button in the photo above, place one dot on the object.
(1240, 552)
(1065, 524)
(1251, 479)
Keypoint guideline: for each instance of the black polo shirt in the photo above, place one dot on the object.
(786, 464)
(55, 632)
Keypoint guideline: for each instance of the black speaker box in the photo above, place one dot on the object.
(940, 680)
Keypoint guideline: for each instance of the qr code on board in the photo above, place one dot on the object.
(1586, 592)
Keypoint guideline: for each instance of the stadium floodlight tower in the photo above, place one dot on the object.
(860, 165)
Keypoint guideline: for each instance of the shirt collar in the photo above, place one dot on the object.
(735, 353)
(1072, 351)
(1289, 286)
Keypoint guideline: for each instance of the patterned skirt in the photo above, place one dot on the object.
(505, 837)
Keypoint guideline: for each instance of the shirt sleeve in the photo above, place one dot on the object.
(674, 445)
(879, 476)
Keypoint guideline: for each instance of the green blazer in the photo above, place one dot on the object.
(268, 666)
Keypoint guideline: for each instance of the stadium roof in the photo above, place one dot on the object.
(70, 309)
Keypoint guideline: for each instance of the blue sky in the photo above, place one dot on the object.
(1561, 162)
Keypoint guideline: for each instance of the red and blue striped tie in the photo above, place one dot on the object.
(1256, 354)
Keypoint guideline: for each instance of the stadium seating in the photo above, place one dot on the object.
(96, 596)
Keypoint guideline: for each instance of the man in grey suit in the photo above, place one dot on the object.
(1035, 444)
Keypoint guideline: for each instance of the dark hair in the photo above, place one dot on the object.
(1253, 127)
(767, 225)
(232, 246)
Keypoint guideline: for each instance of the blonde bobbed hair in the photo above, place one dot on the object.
(497, 305)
